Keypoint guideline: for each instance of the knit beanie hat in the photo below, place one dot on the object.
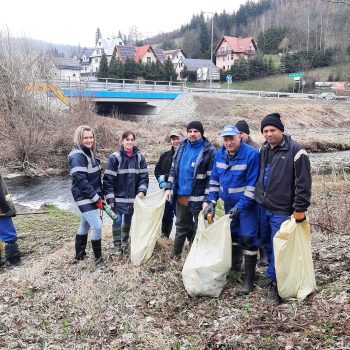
(273, 119)
(242, 126)
(195, 125)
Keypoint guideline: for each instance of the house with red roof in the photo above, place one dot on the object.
(231, 49)
(146, 53)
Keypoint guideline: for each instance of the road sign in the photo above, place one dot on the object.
(295, 75)
(228, 77)
(303, 82)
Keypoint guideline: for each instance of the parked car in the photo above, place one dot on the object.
(327, 96)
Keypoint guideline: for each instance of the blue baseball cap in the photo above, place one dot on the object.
(229, 130)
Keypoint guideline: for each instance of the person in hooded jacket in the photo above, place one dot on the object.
(85, 172)
(161, 172)
(8, 233)
(126, 177)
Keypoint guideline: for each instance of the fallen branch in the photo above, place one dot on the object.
(326, 228)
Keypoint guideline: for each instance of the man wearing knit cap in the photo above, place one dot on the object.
(188, 182)
(243, 128)
(283, 188)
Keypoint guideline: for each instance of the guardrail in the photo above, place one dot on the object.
(120, 85)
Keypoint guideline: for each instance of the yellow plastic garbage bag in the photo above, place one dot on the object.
(209, 260)
(293, 260)
(145, 225)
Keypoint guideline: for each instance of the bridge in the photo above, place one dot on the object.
(123, 96)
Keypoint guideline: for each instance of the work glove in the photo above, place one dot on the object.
(100, 203)
(299, 216)
(140, 195)
(209, 209)
(162, 182)
(168, 195)
(233, 213)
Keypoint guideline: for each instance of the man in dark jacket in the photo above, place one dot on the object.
(283, 188)
(188, 182)
(8, 233)
(161, 172)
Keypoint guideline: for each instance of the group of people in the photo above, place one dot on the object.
(260, 185)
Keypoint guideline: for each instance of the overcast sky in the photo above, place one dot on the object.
(75, 22)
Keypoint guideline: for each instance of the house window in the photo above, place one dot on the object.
(223, 67)
(99, 43)
(96, 60)
(149, 60)
(120, 43)
(232, 57)
(97, 52)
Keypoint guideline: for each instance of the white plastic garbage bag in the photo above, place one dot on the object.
(145, 225)
(293, 260)
(209, 260)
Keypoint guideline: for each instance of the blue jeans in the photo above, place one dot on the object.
(7, 230)
(270, 223)
(91, 219)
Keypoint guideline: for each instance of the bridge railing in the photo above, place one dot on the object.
(120, 85)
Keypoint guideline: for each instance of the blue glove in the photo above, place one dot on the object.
(162, 182)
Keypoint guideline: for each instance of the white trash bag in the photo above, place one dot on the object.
(145, 225)
(209, 260)
(293, 260)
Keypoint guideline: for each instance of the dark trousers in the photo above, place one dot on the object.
(186, 226)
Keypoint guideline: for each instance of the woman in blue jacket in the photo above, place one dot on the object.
(126, 177)
(85, 172)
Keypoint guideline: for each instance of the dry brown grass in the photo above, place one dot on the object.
(48, 303)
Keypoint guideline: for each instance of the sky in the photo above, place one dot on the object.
(74, 22)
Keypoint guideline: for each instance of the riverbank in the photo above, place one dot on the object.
(320, 126)
(51, 303)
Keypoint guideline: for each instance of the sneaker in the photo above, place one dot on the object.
(272, 294)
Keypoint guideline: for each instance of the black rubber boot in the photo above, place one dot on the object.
(12, 253)
(80, 246)
(273, 297)
(249, 274)
(178, 246)
(117, 240)
(166, 228)
(125, 238)
(237, 258)
(262, 257)
(96, 247)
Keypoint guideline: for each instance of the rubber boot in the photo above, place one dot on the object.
(117, 240)
(166, 228)
(12, 253)
(262, 257)
(80, 246)
(178, 246)
(273, 297)
(249, 274)
(96, 247)
(125, 238)
(237, 258)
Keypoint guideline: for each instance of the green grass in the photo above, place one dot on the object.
(282, 82)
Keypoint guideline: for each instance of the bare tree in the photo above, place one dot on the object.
(27, 118)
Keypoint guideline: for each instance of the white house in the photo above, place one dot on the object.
(177, 57)
(103, 45)
(66, 68)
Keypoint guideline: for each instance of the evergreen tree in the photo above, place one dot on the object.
(204, 40)
(103, 69)
(116, 68)
(169, 71)
(140, 68)
(98, 35)
(130, 69)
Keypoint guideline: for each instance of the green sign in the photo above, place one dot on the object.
(295, 75)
